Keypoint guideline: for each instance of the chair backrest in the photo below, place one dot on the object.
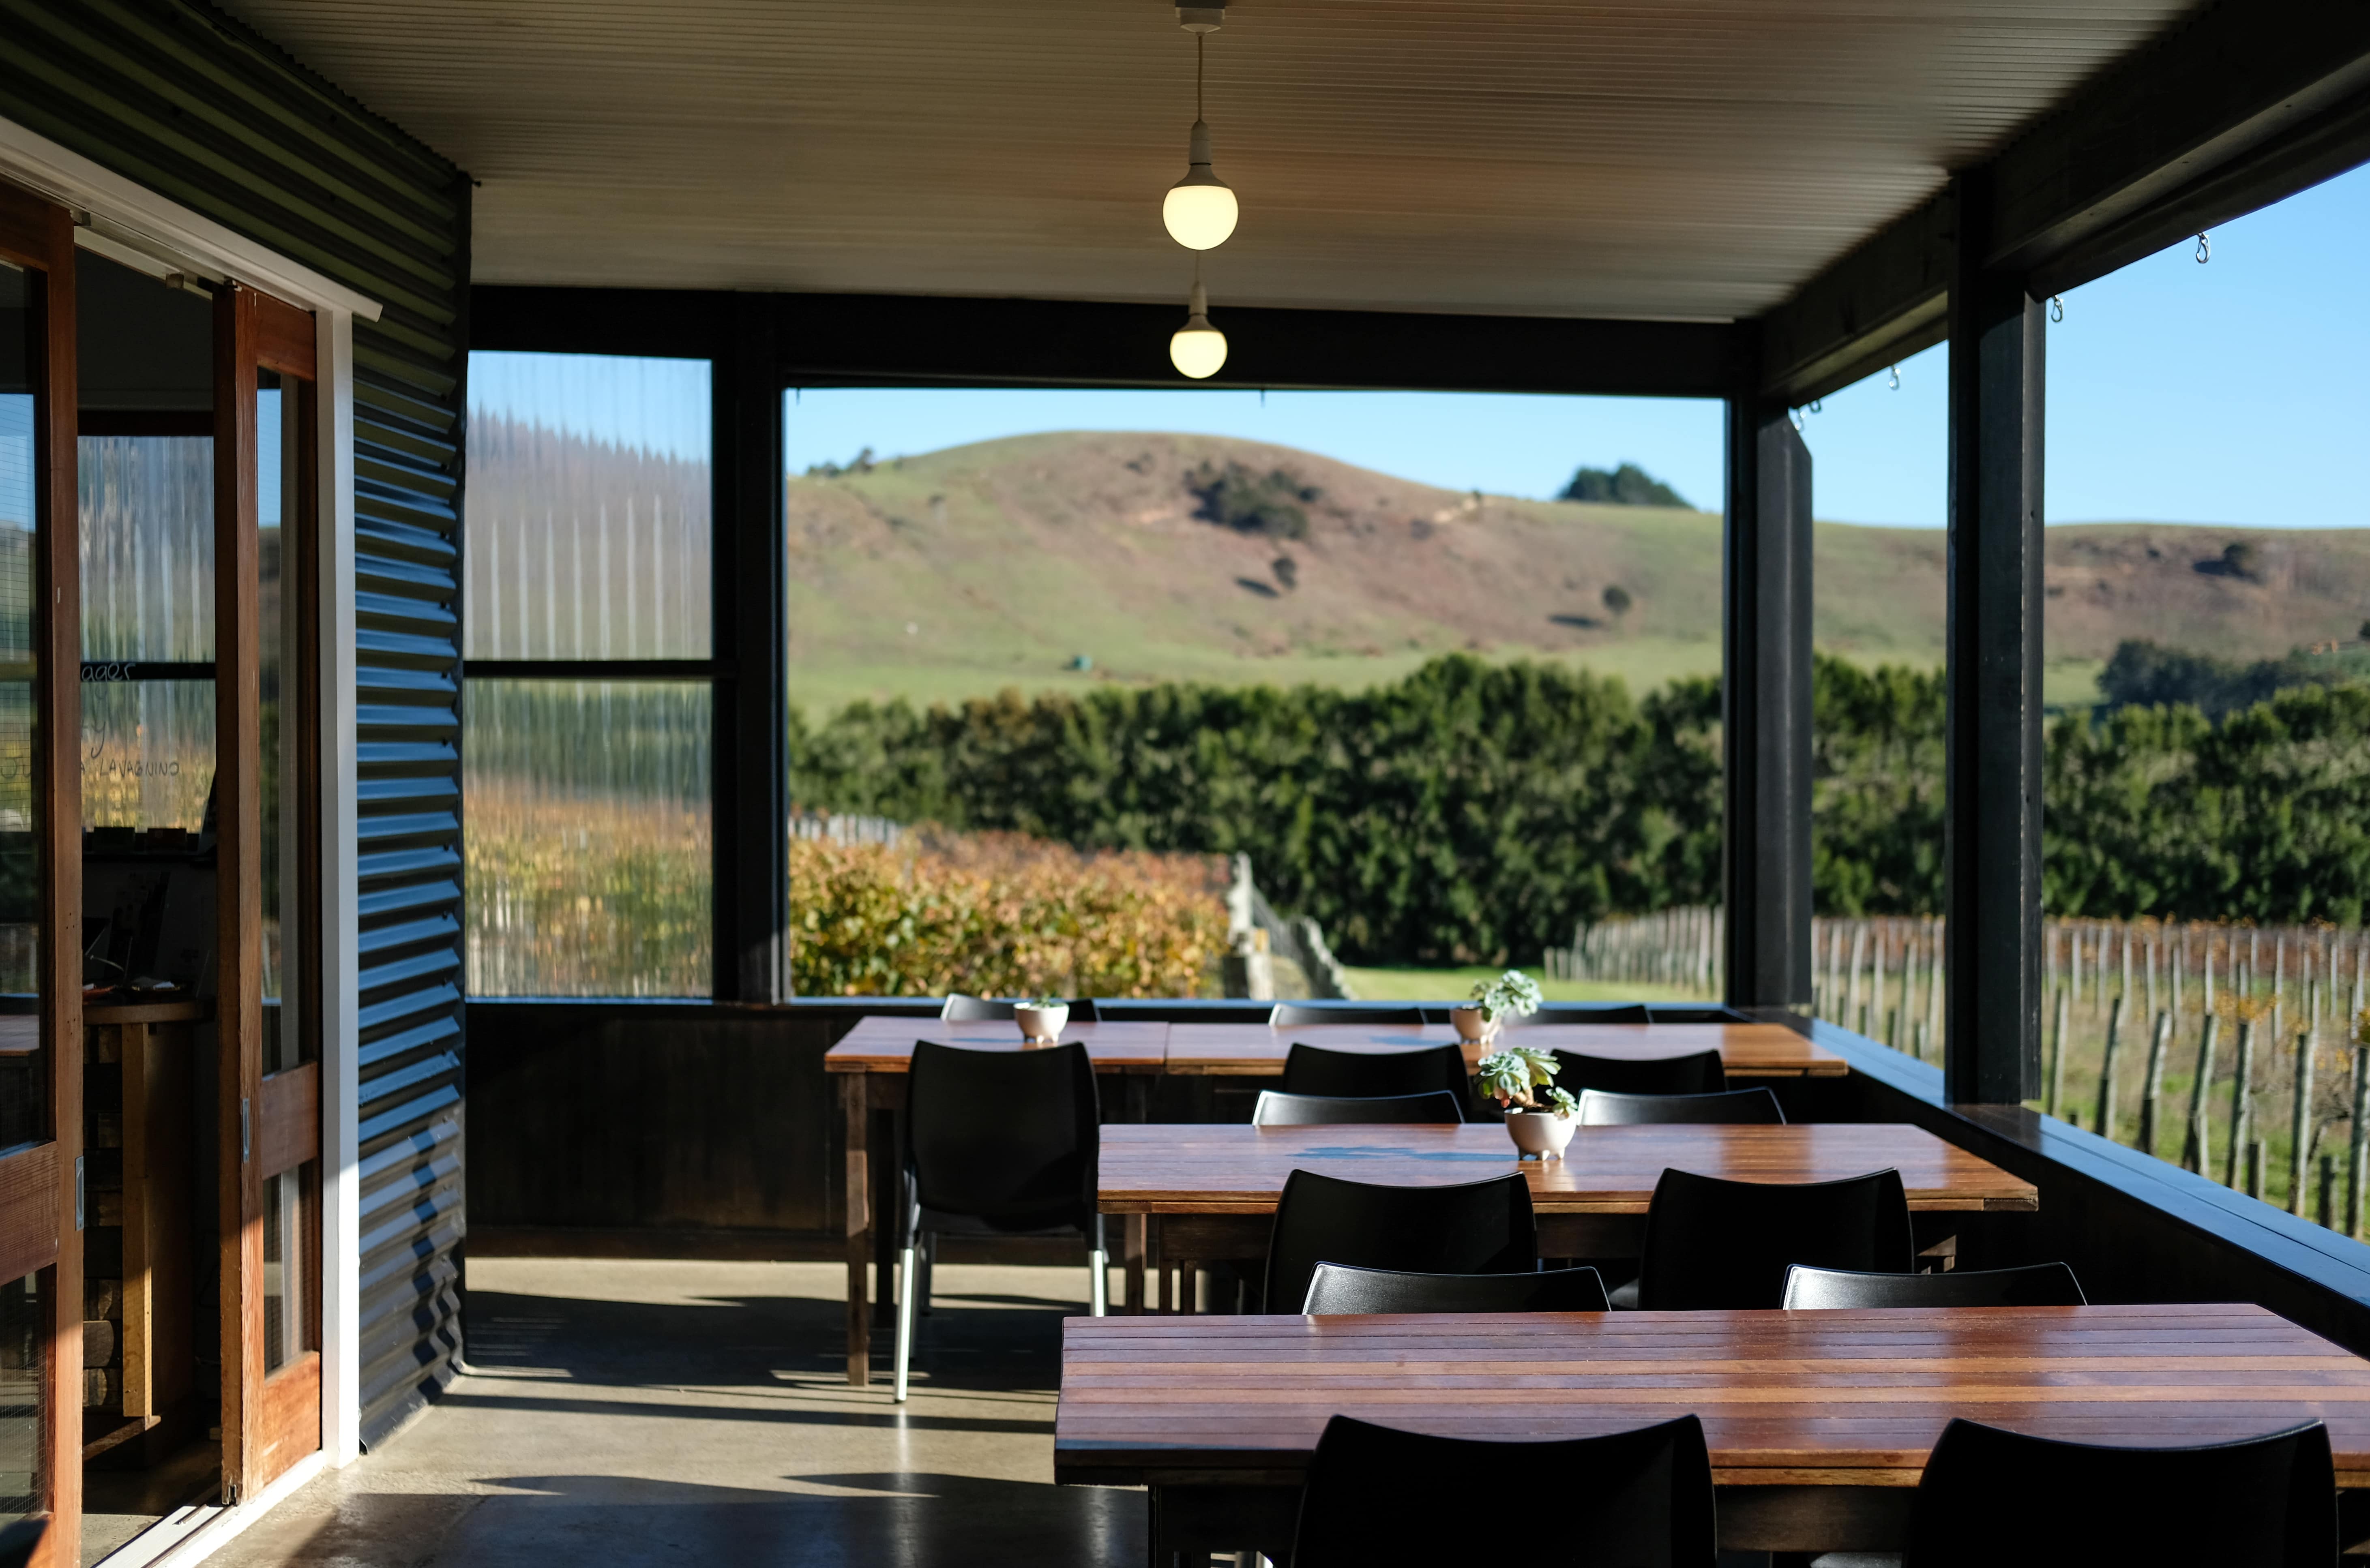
(1990, 1496)
(1376, 1494)
(1471, 1227)
(1737, 1107)
(1011, 1137)
(962, 1009)
(18, 1541)
(1697, 1074)
(1293, 1015)
(1712, 1242)
(1313, 1070)
(1278, 1109)
(2036, 1285)
(1339, 1287)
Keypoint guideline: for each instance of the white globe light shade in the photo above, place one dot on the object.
(1199, 211)
(1198, 349)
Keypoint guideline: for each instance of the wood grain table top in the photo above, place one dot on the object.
(879, 1043)
(1209, 1169)
(1747, 1050)
(1843, 1398)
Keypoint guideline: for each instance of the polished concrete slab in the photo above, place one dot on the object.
(649, 1412)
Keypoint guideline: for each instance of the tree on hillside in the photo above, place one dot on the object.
(1274, 503)
(1616, 599)
(2147, 674)
(1628, 486)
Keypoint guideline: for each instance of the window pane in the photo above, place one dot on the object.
(588, 508)
(147, 548)
(22, 1327)
(589, 838)
(23, 1082)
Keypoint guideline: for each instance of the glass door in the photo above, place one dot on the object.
(41, 1305)
(267, 791)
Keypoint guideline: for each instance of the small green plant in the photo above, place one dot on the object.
(1524, 1076)
(1045, 1001)
(1511, 995)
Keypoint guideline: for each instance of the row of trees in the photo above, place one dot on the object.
(1474, 812)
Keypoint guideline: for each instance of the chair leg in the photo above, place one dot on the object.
(1098, 1281)
(906, 1321)
(929, 1271)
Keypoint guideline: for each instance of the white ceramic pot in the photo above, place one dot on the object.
(1471, 1025)
(1542, 1133)
(1041, 1026)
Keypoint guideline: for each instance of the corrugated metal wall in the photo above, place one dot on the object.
(200, 110)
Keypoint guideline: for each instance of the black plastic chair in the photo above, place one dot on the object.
(1735, 1108)
(1376, 1494)
(2037, 1284)
(1471, 1227)
(962, 1009)
(1293, 1015)
(1365, 1075)
(1711, 1242)
(1340, 1289)
(998, 1143)
(1699, 1074)
(19, 1540)
(1276, 1108)
(1990, 1496)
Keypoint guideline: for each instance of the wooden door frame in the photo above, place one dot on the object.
(263, 1416)
(38, 234)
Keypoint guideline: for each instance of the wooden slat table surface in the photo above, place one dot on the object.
(1203, 1169)
(1747, 1050)
(1788, 1398)
(877, 1044)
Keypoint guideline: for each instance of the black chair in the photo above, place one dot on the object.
(1990, 1496)
(1293, 1015)
(1471, 1227)
(2037, 1284)
(998, 1143)
(962, 1009)
(1376, 1494)
(1278, 1109)
(1711, 1242)
(1365, 1075)
(1625, 1012)
(1736, 1107)
(1699, 1074)
(18, 1541)
(1339, 1289)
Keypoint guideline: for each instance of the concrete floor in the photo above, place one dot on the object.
(632, 1412)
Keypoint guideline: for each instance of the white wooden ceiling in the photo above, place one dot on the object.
(1675, 158)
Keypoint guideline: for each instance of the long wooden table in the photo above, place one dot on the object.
(1203, 1194)
(871, 1061)
(1819, 1423)
(1747, 1050)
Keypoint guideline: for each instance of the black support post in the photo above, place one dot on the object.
(752, 788)
(1993, 768)
(1766, 708)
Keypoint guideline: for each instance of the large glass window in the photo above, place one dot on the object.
(590, 823)
(1143, 693)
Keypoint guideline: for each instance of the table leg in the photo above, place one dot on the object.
(1132, 1256)
(854, 1106)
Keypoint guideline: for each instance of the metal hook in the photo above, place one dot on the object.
(2204, 250)
(1896, 378)
(1814, 405)
(1795, 415)
(2056, 308)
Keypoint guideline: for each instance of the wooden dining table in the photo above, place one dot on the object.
(871, 1061)
(1819, 1423)
(1750, 1051)
(1199, 1194)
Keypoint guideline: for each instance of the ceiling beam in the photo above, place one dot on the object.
(2247, 103)
(914, 339)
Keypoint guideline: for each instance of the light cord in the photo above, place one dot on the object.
(1198, 39)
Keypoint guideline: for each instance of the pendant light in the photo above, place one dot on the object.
(1197, 348)
(1200, 209)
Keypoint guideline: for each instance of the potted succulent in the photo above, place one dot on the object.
(1041, 1020)
(1538, 1114)
(1511, 995)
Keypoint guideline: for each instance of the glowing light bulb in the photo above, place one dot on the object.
(1200, 209)
(1197, 348)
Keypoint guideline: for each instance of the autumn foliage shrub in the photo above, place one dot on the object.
(1002, 914)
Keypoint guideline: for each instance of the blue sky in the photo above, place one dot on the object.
(2235, 392)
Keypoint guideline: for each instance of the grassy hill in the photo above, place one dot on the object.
(959, 572)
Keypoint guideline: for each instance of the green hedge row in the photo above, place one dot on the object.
(1475, 811)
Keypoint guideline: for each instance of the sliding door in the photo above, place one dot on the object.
(40, 879)
(266, 795)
